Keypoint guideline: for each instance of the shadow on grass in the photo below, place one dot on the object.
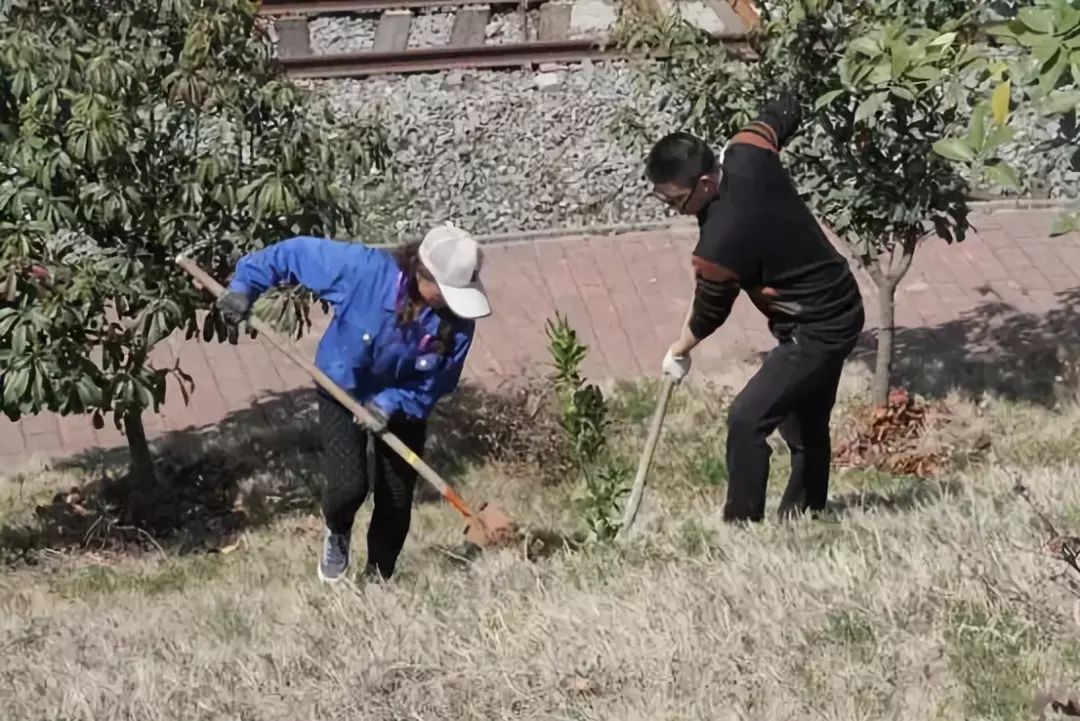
(910, 494)
(261, 463)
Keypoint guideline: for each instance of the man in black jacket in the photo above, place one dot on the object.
(757, 235)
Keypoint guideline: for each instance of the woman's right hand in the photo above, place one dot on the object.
(233, 307)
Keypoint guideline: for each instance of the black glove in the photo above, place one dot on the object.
(379, 419)
(233, 307)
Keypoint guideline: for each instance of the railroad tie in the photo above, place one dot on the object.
(294, 40)
(392, 33)
(470, 26)
(555, 20)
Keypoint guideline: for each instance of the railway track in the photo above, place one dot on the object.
(555, 34)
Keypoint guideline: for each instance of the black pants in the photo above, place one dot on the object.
(349, 477)
(793, 391)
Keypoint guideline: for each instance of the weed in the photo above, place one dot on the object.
(989, 655)
(712, 470)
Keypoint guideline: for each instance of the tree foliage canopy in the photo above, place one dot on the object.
(131, 131)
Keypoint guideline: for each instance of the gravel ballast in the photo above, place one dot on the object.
(512, 151)
(499, 152)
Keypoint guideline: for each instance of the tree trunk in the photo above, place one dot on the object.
(879, 394)
(891, 269)
(142, 463)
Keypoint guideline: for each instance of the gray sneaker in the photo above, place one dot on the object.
(335, 557)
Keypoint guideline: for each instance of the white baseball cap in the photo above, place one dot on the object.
(453, 258)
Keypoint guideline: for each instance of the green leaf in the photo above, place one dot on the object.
(1063, 101)
(8, 318)
(869, 108)
(827, 98)
(89, 392)
(999, 102)
(865, 46)
(1036, 19)
(15, 385)
(943, 40)
(1051, 73)
(1002, 174)
(925, 72)
(19, 340)
(954, 149)
(880, 73)
(902, 93)
(977, 128)
(1065, 223)
(1000, 135)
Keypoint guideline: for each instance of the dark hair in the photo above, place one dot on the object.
(679, 158)
(408, 260)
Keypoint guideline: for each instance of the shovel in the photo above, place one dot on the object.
(486, 527)
(638, 489)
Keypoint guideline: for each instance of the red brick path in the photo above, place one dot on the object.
(626, 295)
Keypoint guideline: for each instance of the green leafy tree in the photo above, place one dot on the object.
(131, 131)
(870, 169)
(1035, 71)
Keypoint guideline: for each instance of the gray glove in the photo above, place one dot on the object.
(379, 419)
(233, 307)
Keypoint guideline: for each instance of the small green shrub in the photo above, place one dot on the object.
(583, 411)
(585, 417)
(602, 496)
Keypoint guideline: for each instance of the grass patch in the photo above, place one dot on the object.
(174, 576)
(990, 654)
(881, 611)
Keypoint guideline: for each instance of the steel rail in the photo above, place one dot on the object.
(433, 59)
(329, 7)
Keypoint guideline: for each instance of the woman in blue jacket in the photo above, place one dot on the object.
(402, 326)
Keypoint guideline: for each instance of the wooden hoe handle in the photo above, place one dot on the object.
(634, 502)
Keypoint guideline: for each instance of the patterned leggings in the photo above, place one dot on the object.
(349, 476)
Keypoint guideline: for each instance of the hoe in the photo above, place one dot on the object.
(488, 526)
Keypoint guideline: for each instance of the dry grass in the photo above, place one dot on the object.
(920, 600)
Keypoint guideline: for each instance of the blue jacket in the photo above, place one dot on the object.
(363, 350)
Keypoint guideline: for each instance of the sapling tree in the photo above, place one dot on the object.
(131, 131)
(869, 166)
(584, 416)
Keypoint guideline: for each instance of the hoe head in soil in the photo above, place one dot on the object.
(490, 527)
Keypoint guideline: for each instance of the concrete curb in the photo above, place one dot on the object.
(528, 236)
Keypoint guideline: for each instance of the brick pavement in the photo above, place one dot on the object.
(626, 296)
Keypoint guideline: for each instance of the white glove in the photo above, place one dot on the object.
(676, 367)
